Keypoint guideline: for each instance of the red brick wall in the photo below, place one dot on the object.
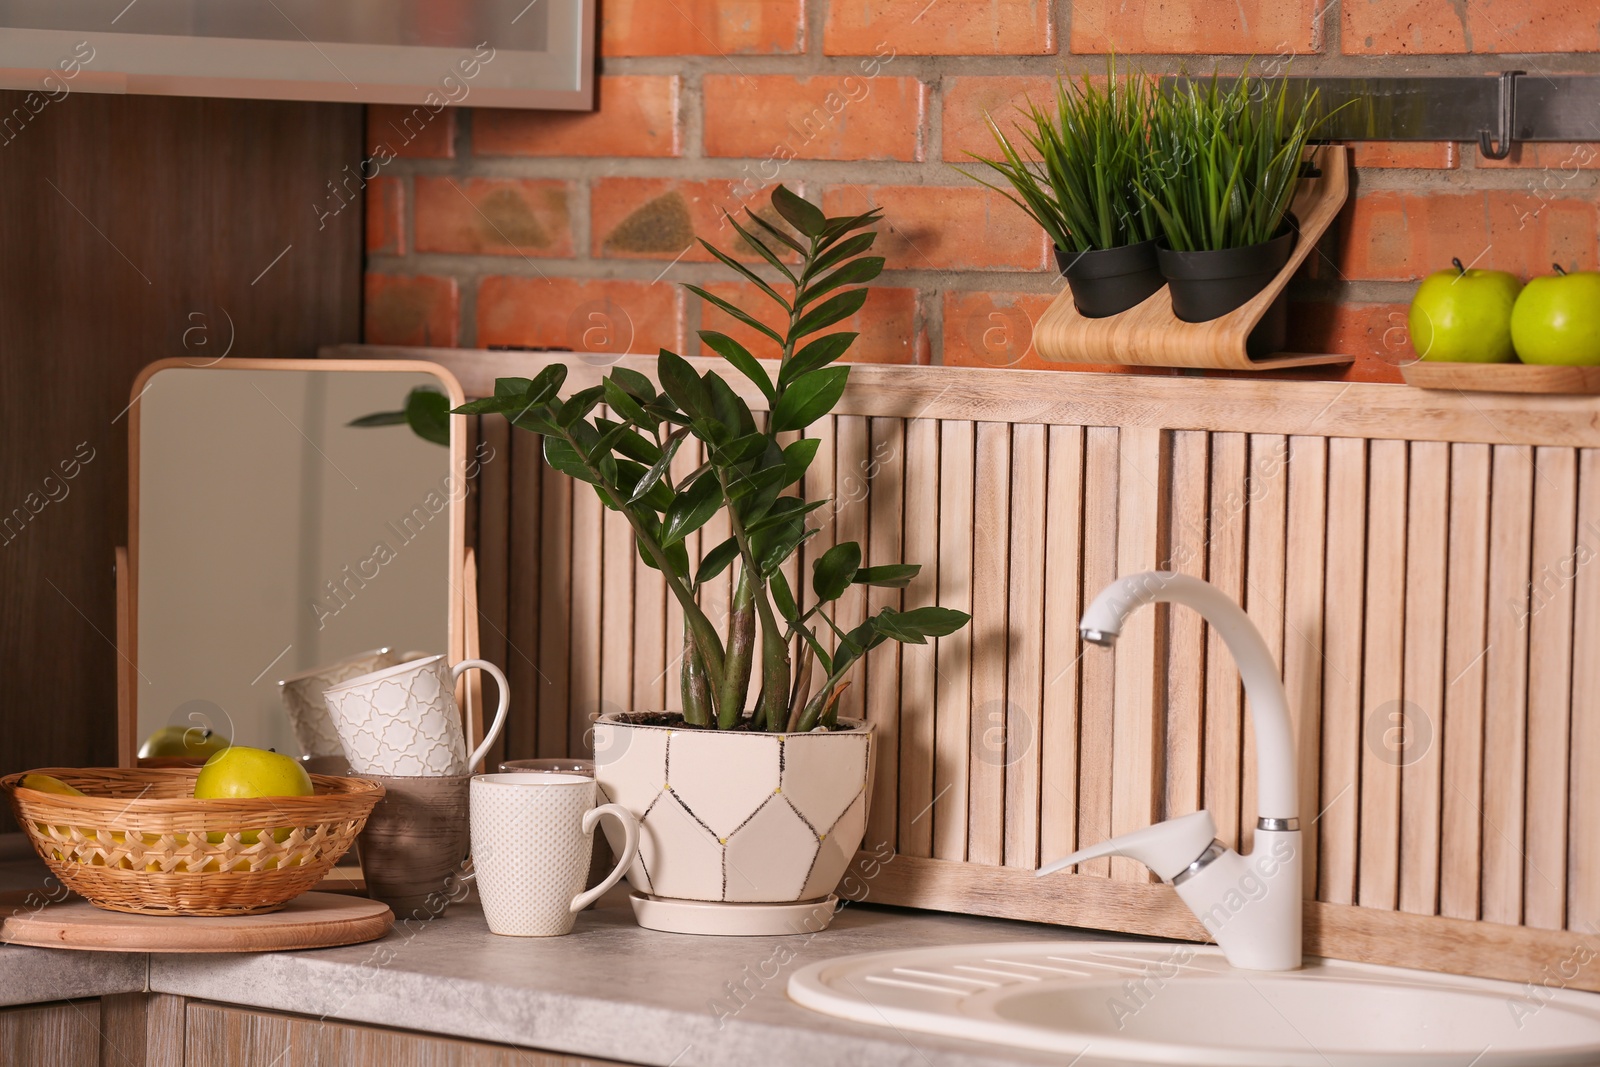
(573, 230)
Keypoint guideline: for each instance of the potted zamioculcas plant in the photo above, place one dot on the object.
(1223, 169)
(1078, 180)
(751, 798)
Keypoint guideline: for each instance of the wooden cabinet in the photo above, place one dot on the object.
(158, 1030)
(244, 1037)
(60, 1035)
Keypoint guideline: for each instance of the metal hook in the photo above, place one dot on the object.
(1507, 119)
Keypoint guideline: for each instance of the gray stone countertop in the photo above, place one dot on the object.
(609, 990)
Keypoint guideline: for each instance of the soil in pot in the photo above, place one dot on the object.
(1207, 285)
(1112, 280)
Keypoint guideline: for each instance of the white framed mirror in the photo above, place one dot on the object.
(284, 515)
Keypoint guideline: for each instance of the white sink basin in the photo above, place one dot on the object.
(1183, 1004)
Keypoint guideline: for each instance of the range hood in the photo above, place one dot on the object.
(491, 53)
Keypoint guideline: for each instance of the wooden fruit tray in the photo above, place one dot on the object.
(1502, 378)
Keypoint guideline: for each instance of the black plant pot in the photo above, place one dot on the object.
(1111, 280)
(1207, 285)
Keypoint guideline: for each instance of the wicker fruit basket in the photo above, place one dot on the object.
(140, 842)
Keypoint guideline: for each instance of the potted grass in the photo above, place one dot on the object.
(1080, 185)
(1223, 168)
(750, 808)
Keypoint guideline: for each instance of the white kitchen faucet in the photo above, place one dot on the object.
(1249, 904)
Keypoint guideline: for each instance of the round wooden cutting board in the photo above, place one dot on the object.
(311, 920)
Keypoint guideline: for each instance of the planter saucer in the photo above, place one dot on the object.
(741, 920)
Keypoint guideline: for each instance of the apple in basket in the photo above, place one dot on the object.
(239, 772)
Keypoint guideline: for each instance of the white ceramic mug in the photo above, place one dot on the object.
(404, 721)
(302, 697)
(532, 834)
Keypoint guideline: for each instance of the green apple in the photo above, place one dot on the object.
(239, 772)
(1464, 316)
(191, 741)
(1556, 320)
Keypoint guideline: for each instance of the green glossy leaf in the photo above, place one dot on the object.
(386, 418)
(914, 626)
(518, 387)
(659, 469)
(428, 413)
(778, 548)
(837, 227)
(889, 575)
(800, 214)
(754, 493)
(680, 382)
(741, 450)
(761, 248)
(797, 458)
(637, 384)
(564, 458)
(716, 561)
(736, 311)
(677, 558)
(809, 398)
(783, 598)
(692, 509)
(833, 571)
(784, 509)
(842, 251)
(856, 272)
(624, 404)
(782, 237)
(728, 407)
(752, 276)
(832, 310)
(740, 357)
(579, 404)
(816, 354)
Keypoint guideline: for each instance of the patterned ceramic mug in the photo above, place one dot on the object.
(531, 838)
(302, 697)
(404, 721)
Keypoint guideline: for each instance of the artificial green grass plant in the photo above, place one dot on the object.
(1224, 163)
(1080, 184)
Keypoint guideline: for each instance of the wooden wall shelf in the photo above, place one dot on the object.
(1151, 335)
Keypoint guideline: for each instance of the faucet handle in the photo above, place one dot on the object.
(1167, 848)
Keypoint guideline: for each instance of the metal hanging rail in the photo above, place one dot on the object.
(1493, 112)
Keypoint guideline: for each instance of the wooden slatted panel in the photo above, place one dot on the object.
(1025, 647)
(1435, 597)
(986, 781)
(587, 616)
(1421, 754)
(1583, 812)
(1136, 711)
(1383, 694)
(853, 490)
(1063, 652)
(617, 610)
(1268, 490)
(1506, 684)
(1230, 502)
(953, 718)
(555, 606)
(1305, 565)
(1466, 644)
(1549, 628)
(917, 662)
(886, 487)
(1187, 536)
(1339, 802)
(1096, 677)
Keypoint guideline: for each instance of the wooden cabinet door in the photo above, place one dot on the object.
(57, 1035)
(218, 1034)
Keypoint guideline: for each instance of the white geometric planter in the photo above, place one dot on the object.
(736, 818)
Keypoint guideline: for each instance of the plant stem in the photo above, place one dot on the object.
(741, 652)
(696, 693)
(694, 620)
(774, 649)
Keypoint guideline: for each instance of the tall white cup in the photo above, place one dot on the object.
(404, 721)
(532, 835)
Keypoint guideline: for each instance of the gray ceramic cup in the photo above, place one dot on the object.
(414, 842)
